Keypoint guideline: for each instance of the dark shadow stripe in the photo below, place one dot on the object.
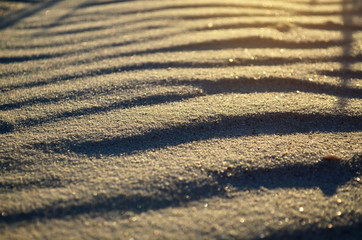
(248, 42)
(69, 95)
(222, 127)
(331, 26)
(25, 1)
(245, 42)
(322, 26)
(343, 73)
(51, 182)
(102, 3)
(242, 85)
(223, 15)
(96, 37)
(10, 163)
(73, 42)
(319, 26)
(318, 2)
(329, 89)
(355, 12)
(14, 59)
(327, 176)
(267, 42)
(192, 6)
(100, 204)
(141, 101)
(234, 43)
(13, 18)
(70, 22)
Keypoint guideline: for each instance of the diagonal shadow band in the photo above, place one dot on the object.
(217, 127)
(343, 74)
(242, 85)
(322, 26)
(101, 3)
(6, 127)
(8, 21)
(256, 61)
(246, 42)
(14, 59)
(157, 65)
(326, 176)
(49, 182)
(233, 43)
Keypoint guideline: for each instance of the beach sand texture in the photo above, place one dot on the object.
(170, 119)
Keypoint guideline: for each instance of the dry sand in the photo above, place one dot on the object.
(173, 119)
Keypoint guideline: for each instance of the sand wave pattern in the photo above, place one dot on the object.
(181, 119)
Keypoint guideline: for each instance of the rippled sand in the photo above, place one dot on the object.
(181, 119)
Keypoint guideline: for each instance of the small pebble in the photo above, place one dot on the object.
(331, 158)
(284, 27)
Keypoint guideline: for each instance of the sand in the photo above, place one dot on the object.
(181, 119)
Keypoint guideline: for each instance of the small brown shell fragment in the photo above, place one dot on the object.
(331, 158)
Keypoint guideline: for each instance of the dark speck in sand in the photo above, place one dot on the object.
(331, 158)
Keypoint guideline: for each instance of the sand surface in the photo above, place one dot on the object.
(170, 119)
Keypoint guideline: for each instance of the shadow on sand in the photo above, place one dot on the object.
(217, 127)
(327, 176)
(324, 175)
(10, 20)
